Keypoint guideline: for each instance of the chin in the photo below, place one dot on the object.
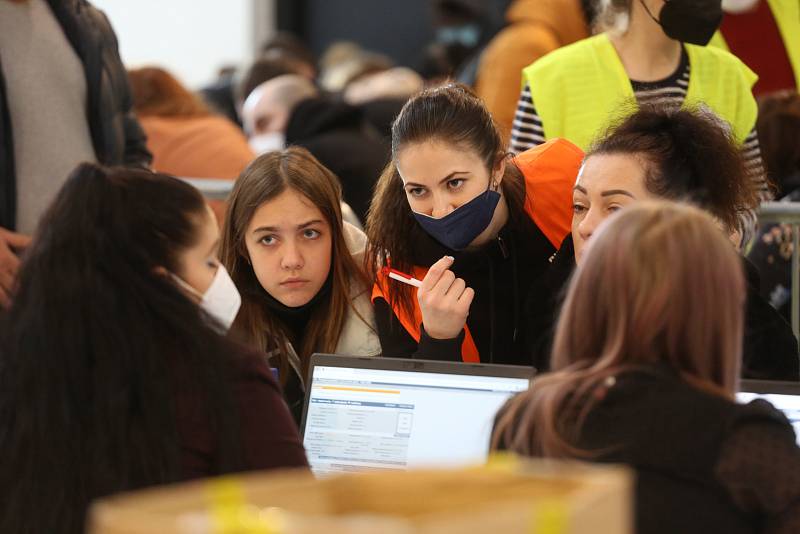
(294, 300)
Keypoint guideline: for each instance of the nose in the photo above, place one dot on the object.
(441, 206)
(590, 223)
(292, 258)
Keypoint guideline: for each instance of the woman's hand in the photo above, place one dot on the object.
(444, 301)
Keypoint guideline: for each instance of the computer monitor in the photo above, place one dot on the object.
(785, 396)
(364, 414)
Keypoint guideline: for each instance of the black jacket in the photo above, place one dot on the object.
(500, 272)
(116, 135)
(769, 352)
(673, 435)
(339, 136)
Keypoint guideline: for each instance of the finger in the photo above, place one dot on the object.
(9, 262)
(5, 299)
(7, 281)
(15, 240)
(435, 272)
(465, 301)
(444, 283)
(456, 288)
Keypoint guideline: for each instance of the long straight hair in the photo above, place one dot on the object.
(263, 180)
(451, 114)
(98, 346)
(659, 284)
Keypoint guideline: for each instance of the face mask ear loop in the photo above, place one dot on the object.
(649, 12)
(186, 286)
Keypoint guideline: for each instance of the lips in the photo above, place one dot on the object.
(293, 283)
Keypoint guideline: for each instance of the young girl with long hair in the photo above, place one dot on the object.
(297, 265)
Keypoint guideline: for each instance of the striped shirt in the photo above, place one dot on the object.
(528, 131)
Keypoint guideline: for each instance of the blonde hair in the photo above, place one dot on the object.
(659, 284)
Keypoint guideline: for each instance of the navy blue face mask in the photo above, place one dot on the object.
(460, 227)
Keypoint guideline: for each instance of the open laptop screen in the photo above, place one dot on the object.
(369, 419)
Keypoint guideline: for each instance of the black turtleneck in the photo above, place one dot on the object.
(500, 272)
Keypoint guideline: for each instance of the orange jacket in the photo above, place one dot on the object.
(536, 27)
(550, 171)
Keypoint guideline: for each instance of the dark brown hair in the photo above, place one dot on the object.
(451, 114)
(689, 155)
(660, 284)
(263, 180)
(779, 134)
(157, 92)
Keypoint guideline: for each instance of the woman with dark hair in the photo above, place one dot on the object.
(298, 266)
(475, 227)
(684, 155)
(645, 368)
(114, 373)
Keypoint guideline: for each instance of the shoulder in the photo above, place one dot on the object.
(249, 365)
(564, 58)
(722, 61)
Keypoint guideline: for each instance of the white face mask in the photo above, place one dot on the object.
(268, 142)
(738, 6)
(221, 301)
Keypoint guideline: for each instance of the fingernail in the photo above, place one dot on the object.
(451, 258)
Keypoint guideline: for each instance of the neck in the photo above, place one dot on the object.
(645, 50)
(499, 220)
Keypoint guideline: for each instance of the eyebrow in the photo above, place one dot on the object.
(609, 193)
(448, 177)
(263, 229)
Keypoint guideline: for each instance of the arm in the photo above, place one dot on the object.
(269, 435)
(397, 343)
(527, 131)
(759, 465)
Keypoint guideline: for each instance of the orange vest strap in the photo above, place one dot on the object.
(469, 352)
(550, 171)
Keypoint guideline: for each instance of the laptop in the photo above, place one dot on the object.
(369, 414)
(785, 396)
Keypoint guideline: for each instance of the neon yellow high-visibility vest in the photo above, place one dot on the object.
(787, 16)
(581, 89)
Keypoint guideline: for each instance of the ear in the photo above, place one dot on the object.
(499, 171)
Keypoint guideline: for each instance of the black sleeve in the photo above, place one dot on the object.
(770, 348)
(759, 465)
(397, 343)
(136, 153)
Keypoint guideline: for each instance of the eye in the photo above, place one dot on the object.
(416, 192)
(613, 208)
(268, 240)
(455, 183)
(310, 233)
(578, 209)
(212, 263)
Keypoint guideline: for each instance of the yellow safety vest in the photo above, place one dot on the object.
(581, 89)
(787, 16)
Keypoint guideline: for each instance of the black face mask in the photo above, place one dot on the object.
(689, 21)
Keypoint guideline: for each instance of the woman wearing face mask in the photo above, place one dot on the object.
(664, 152)
(114, 372)
(648, 51)
(298, 266)
(474, 226)
(646, 364)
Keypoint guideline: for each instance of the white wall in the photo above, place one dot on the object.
(190, 38)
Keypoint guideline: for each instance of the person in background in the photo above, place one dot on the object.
(664, 152)
(779, 131)
(649, 51)
(115, 371)
(64, 99)
(289, 110)
(765, 34)
(186, 138)
(535, 27)
(475, 227)
(645, 369)
(219, 94)
(298, 267)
